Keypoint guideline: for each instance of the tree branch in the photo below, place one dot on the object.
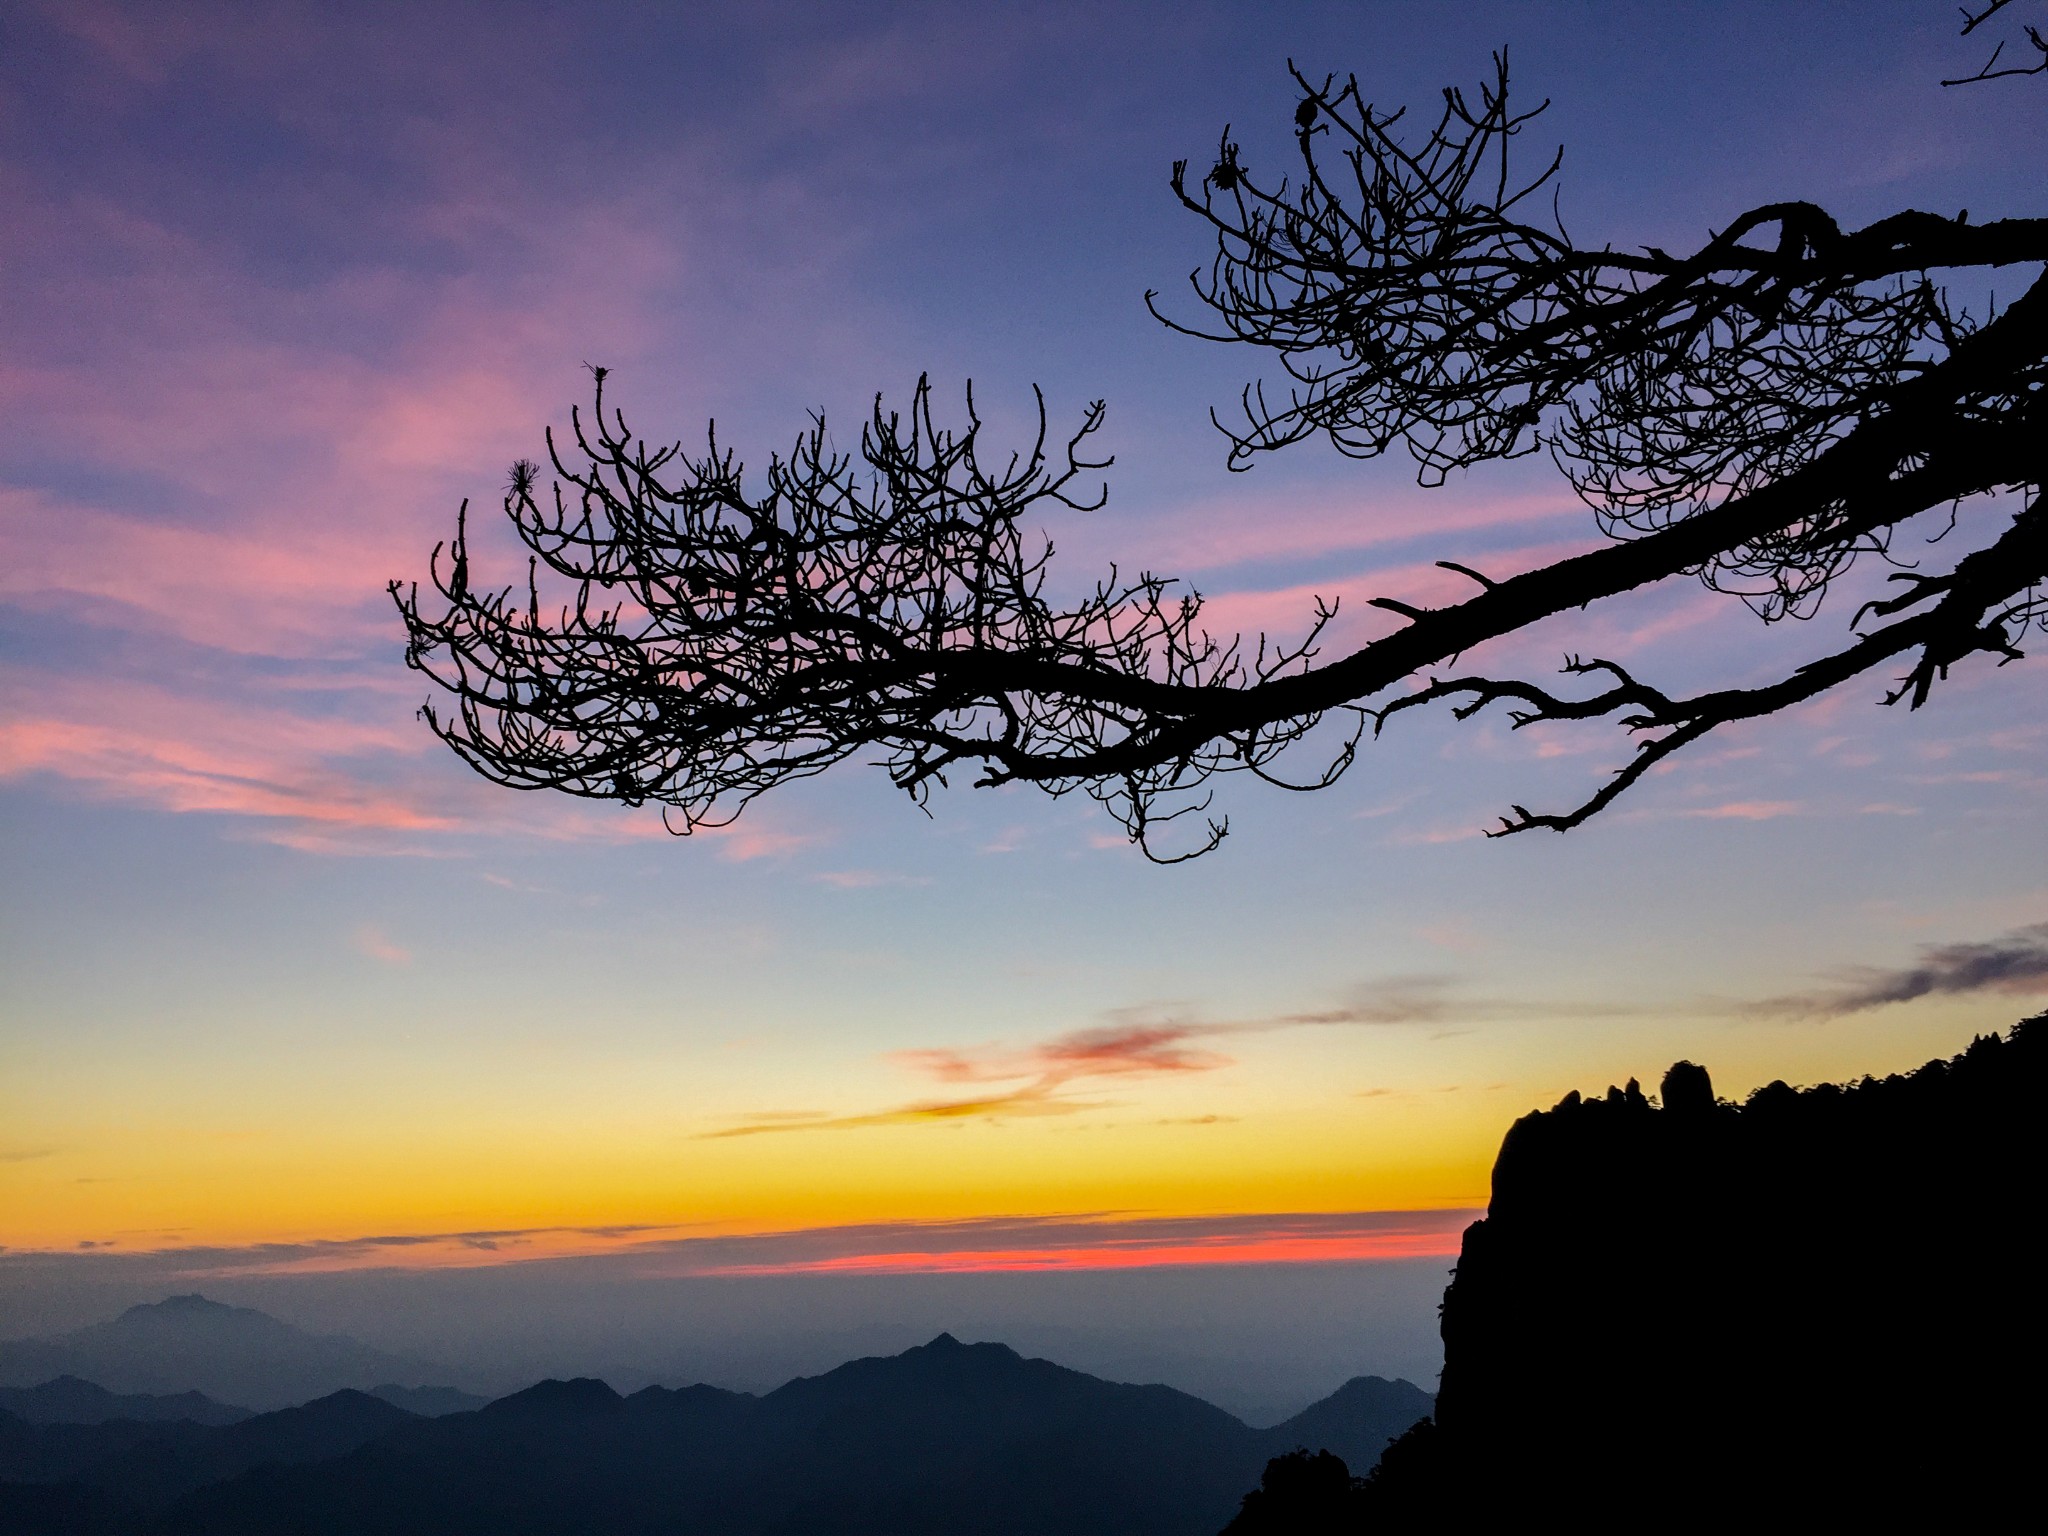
(1760, 413)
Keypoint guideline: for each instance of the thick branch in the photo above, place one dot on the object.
(1759, 413)
(1962, 623)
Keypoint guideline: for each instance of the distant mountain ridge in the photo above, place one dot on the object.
(72, 1400)
(232, 1354)
(157, 1472)
(429, 1402)
(943, 1437)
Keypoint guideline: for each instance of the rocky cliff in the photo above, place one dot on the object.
(1820, 1307)
(1820, 1300)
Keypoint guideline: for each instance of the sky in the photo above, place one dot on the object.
(294, 1008)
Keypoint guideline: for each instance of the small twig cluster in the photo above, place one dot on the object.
(1990, 70)
(721, 640)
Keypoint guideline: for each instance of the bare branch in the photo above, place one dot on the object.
(1760, 413)
(1990, 70)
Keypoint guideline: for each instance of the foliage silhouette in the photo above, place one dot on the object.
(1761, 412)
(1299, 1494)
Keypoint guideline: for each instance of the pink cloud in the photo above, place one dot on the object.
(1425, 837)
(1032, 1101)
(1109, 1241)
(1137, 1045)
(1744, 810)
(1133, 1050)
(361, 779)
(1286, 612)
(371, 940)
(865, 879)
(1454, 933)
(245, 590)
(1117, 1050)
(1090, 1240)
(1319, 1248)
(184, 775)
(753, 838)
(1248, 525)
(297, 477)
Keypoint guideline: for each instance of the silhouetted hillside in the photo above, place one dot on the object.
(145, 1467)
(429, 1402)
(1818, 1307)
(1357, 1420)
(947, 1437)
(158, 1470)
(185, 1343)
(69, 1400)
(49, 1453)
(1302, 1493)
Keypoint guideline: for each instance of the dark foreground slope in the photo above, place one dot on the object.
(1820, 1307)
(948, 1437)
(116, 1475)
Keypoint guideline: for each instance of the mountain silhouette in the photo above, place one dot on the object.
(186, 1343)
(1302, 1493)
(71, 1400)
(115, 1475)
(428, 1402)
(1356, 1421)
(51, 1453)
(156, 1470)
(1817, 1309)
(944, 1437)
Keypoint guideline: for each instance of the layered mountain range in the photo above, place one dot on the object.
(947, 1436)
(1814, 1307)
(190, 1344)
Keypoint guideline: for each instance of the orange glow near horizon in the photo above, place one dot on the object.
(981, 1245)
(1276, 1250)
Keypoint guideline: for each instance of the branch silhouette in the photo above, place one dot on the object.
(1972, 20)
(1761, 413)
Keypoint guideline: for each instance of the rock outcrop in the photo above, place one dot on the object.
(1821, 1302)
(1819, 1308)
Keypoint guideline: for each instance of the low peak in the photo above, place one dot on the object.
(353, 1400)
(580, 1392)
(946, 1347)
(1378, 1386)
(1687, 1089)
(191, 1305)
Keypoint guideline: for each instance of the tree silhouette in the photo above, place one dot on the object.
(1759, 412)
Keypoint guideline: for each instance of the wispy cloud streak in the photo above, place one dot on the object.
(2015, 964)
(1083, 1240)
(1137, 1043)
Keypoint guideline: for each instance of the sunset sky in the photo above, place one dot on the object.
(286, 989)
